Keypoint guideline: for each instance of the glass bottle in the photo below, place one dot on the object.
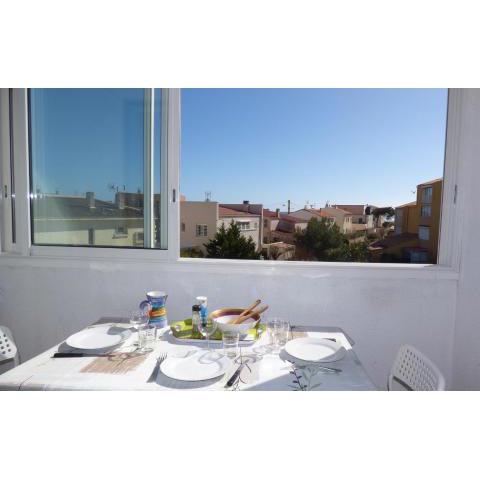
(195, 320)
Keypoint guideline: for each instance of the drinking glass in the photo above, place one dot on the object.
(138, 319)
(207, 327)
(146, 334)
(278, 330)
(230, 344)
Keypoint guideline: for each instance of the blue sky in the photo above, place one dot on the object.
(262, 145)
(344, 146)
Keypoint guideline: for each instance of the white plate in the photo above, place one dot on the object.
(97, 338)
(315, 349)
(202, 365)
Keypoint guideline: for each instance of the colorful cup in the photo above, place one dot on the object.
(155, 304)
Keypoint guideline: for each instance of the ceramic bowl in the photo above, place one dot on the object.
(223, 316)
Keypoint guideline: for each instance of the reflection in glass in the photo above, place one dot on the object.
(87, 166)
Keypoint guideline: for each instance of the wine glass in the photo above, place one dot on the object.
(207, 327)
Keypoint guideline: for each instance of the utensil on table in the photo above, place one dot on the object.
(250, 314)
(247, 310)
(79, 355)
(234, 377)
(154, 374)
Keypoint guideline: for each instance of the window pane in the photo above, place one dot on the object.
(340, 174)
(88, 153)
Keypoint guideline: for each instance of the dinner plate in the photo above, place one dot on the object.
(97, 338)
(202, 365)
(315, 349)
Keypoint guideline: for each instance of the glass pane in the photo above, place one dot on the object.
(88, 152)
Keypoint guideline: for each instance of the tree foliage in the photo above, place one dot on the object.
(230, 243)
(388, 212)
(322, 240)
(319, 237)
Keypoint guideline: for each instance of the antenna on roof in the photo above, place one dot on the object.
(208, 196)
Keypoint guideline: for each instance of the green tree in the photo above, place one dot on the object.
(350, 252)
(230, 243)
(319, 238)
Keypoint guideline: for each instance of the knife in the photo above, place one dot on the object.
(234, 377)
(76, 354)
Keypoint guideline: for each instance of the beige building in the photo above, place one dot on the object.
(338, 216)
(362, 218)
(247, 217)
(198, 223)
(270, 224)
(86, 221)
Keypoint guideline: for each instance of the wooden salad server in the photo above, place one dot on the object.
(247, 310)
(249, 315)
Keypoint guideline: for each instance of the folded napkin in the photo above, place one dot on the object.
(183, 330)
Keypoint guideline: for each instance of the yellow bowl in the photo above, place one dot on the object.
(222, 316)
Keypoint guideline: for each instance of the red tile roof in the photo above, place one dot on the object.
(353, 209)
(292, 219)
(269, 213)
(394, 240)
(229, 212)
(318, 211)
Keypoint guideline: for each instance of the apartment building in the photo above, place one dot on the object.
(417, 227)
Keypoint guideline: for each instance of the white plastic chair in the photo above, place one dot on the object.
(414, 371)
(8, 349)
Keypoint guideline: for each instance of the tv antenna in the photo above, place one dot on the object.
(208, 196)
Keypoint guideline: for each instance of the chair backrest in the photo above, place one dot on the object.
(415, 371)
(8, 349)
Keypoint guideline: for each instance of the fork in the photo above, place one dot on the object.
(154, 374)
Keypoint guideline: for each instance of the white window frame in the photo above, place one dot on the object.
(201, 230)
(22, 251)
(244, 226)
(170, 144)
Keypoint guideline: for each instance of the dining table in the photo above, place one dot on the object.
(262, 369)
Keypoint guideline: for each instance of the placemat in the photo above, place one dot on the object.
(296, 334)
(117, 364)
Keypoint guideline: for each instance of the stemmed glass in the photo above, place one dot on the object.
(207, 327)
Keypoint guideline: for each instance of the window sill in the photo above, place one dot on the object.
(149, 259)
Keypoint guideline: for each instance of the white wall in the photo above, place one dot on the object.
(466, 365)
(44, 301)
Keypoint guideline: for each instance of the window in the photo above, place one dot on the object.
(201, 230)
(183, 226)
(427, 194)
(96, 166)
(322, 149)
(121, 231)
(424, 233)
(426, 211)
(265, 223)
(244, 225)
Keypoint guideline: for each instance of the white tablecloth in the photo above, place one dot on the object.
(268, 372)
